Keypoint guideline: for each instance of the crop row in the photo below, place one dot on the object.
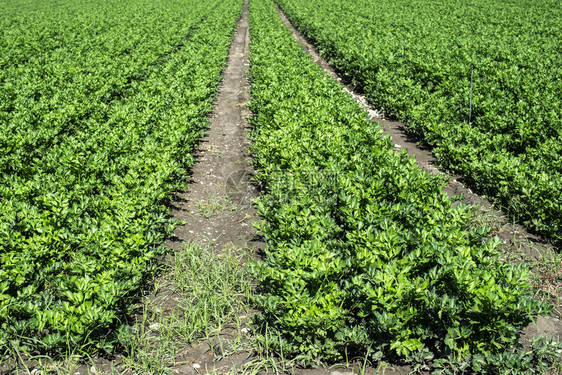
(413, 59)
(365, 253)
(51, 88)
(97, 132)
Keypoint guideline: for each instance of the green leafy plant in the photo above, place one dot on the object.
(98, 130)
(365, 253)
(413, 61)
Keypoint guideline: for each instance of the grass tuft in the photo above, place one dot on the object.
(205, 296)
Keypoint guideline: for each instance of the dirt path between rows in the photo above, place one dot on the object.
(217, 208)
(518, 243)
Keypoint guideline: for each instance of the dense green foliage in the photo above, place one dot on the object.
(98, 123)
(413, 59)
(365, 253)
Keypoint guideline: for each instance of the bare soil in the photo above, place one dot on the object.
(217, 208)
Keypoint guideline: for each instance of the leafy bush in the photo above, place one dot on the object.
(365, 253)
(92, 154)
(413, 60)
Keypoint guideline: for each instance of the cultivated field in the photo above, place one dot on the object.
(100, 108)
(500, 124)
(103, 106)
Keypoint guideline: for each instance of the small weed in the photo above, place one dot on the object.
(547, 276)
(213, 207)
(46, 365)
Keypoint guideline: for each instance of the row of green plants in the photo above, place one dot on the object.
(97, 133)
(366, 256)
(413, 60)
(51, 87)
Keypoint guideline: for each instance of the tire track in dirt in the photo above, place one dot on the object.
(518, 243)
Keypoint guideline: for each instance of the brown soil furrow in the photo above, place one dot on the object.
(217, 206)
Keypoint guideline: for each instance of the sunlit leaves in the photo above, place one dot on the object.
(106, 134)
(413, 58)
(366, 255)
